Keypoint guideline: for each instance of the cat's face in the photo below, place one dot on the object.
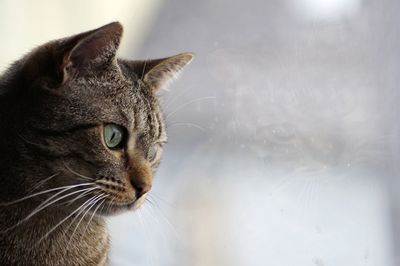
(110, 131)
(100, 129)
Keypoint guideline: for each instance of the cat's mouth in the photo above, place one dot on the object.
(115, 207)
(120, 195)
(133, 204)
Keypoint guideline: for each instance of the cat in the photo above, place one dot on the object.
(81, 136)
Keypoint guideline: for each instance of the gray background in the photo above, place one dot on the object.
(283, 137)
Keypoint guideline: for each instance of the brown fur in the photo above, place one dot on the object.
(54, 103)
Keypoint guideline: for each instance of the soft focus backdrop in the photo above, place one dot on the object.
(283, 131)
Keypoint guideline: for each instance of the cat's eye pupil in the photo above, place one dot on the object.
(113, 135)
(152, 153)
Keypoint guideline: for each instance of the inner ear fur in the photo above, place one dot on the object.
(157, 73)
(92, 50)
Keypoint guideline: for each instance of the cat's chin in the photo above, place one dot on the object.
(121, 207)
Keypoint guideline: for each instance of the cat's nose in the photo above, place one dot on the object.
(140, 175)
(141, 187)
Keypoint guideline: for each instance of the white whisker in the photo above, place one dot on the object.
(41, 207)
(85, 211)
(164, 216)
(109, 206)
(58, 224)
(188, 125)
(42, 182)
(76, 173)
(170, 100)
(94, 212)
(82, 209)
(82, 195)
(41, 193)
(144, 69)
(190, 102)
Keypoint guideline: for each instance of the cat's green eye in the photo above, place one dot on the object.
(113, 136)
(152, 153)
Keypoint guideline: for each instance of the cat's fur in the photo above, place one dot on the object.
(54, 103)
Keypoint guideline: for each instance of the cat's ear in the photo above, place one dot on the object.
(157, 73)
(90, 50)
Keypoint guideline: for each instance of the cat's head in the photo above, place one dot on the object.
(86, 120)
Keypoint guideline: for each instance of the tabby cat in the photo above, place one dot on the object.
(81, 135)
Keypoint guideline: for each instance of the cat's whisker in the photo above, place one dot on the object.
(40, 208)
(58, 224)
(51, 197)
(142, 223)
(58, 193)
(82, 195)
(42, 182)
(76, 173)
(84, 206)
(88, 202)
(43, 206)
(144, 69)
(110, 204)
(188, 125)
(169, 101)
(187, 103)
(29, 142)
(85, 211)
(164, 215)
(153, 195)
(153, 216)
(94, 212)
(41, 193)
(149, 201)
(103, 205)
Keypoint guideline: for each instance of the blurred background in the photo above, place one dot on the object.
(283, 132)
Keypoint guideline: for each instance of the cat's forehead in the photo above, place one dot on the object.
(113, 96)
